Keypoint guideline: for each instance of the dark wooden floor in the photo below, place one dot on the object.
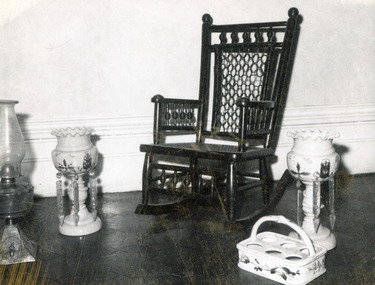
(192, 247)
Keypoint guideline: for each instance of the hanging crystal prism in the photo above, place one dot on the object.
(316, 204)
(60, 197)
(93, 193)
(332, 215)
(76, 199)
(300, 188)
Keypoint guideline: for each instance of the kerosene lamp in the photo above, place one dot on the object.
(16, 195)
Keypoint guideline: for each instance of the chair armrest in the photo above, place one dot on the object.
(160, 99)
(173, 115)
(255, 119)
(245, 102)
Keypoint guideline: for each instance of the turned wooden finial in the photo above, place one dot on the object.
(293, 12)
(207, 19)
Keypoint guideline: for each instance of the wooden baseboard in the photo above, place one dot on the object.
(118, 140)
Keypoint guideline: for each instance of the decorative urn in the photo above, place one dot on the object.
(74, 156)
(313, 156)
(74, 153)
(312, 160)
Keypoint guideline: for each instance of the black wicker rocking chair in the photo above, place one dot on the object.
(241, 99)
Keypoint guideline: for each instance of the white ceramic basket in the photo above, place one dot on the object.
(281, 258)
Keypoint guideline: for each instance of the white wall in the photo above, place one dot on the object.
(98, 63)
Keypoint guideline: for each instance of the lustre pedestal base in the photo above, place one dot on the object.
(311, 224)
(15, 247)
(324, 237)
(86, 224)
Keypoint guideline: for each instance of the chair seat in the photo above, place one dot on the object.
(209, 151)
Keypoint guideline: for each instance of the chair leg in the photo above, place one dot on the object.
(194, 175)
(146, 183)
(231, 190)
(146, 178)
(266, 179)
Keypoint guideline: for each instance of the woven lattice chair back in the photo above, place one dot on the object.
(241, 74)
(247, 61)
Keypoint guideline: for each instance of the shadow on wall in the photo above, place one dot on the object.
(99, 166)
(343, 177)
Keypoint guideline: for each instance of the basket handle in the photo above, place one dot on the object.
(283, 220)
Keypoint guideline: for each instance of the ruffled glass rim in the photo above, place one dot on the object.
(64, 132)
(313, 134)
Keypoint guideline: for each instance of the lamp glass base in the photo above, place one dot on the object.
(15, 247)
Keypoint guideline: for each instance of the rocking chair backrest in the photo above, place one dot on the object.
(249, 62)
